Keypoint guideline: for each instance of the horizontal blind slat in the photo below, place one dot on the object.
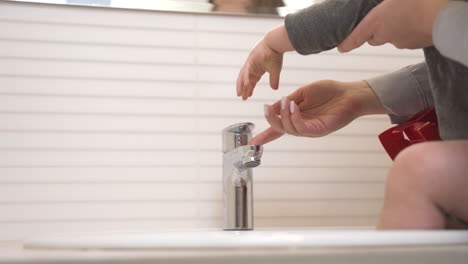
(94, 16)
(144, 142)
(94, 53)
(96, 35)
(319, 208)
(120, 174)
(167, 174)
(96, 211)
(303, 191)
(97, 158)
(88, 70)
(61, 192)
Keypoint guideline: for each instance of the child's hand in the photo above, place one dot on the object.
(266, 56)
(318, 109)
(261, 59)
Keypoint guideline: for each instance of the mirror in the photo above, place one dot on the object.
(273, 8)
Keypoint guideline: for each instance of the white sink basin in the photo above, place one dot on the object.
(259, 238)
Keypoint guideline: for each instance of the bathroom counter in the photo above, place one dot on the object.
(13, 252)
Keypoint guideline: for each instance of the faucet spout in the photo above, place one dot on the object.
(252, 155)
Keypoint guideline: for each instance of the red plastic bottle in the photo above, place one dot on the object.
(421, 127)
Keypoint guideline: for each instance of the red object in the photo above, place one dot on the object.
(421, 127)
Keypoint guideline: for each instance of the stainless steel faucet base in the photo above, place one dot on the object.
(238, 161)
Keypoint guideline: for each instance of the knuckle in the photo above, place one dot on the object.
(300, 131)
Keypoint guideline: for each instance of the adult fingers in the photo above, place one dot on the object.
(276, 107)
(286, 117)
(360, 35)
(266, 136)
(296, 96)
(273, 119)
(297, 120)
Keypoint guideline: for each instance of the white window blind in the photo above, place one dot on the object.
(111, 119)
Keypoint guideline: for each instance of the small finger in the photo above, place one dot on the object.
(294, 96)
(246, 90)
(275, 77)
(245, 83)
(266, 136)
(249, 85)
(239, 83)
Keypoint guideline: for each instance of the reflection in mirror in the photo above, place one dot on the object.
(232, 7)
(247, 6)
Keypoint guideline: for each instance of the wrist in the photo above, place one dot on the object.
(367, 100)
(277, 39)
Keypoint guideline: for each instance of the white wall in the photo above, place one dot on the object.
(111, 119)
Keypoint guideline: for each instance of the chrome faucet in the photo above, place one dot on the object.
(238, 161)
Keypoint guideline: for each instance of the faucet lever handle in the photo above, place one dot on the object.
(239, 128)
(237, 135)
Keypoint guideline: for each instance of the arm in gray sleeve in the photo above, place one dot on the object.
(404, 92)
(324, 25)
(450, 32)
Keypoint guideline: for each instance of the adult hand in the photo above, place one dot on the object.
(318, 109)
(266, 56)
(407, 24)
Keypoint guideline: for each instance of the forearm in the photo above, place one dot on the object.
(324, 25)
(404, 92)
(450, 32)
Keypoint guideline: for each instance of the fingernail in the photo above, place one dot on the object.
(292, 107)
(283, 102)
(265, 110)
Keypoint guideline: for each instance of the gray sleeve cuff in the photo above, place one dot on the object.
(404, 92)
(450, 31)
(324, 25)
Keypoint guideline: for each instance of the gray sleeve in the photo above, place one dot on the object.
(450, 31)
(404, 92)
(324, 25)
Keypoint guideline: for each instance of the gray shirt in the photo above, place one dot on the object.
(441, 82)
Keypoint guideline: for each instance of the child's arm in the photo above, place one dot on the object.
(314, 29)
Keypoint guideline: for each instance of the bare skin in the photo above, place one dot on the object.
(319, 108)
(426, 182)
(407, 24)
(266, 56)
